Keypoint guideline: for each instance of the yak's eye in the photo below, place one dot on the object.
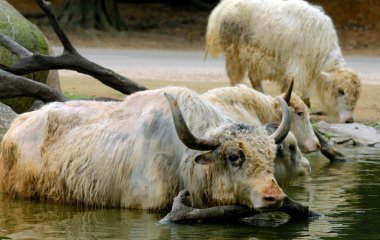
(300, 114)
(233, 157)
(279, 150)
(292, 148)
(236, 158)
(341, 92)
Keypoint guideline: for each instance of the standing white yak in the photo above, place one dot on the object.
(277, 40)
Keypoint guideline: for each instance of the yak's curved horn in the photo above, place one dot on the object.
(288, 93)
(282, 131)
(183, 131)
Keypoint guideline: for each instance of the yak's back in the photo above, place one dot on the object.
(104, 154)
(273, 27)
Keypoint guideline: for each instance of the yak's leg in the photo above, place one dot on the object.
(307, 102)
(284, 86)
(234, 66)
(256, 82)
(303, 91)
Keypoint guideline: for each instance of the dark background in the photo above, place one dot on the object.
(183, 22)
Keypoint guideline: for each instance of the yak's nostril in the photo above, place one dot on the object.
(269, 199)
(318, 146)
(350, 120)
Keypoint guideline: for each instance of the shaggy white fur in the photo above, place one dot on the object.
(247, 105)
(128, 155)
(277, 40)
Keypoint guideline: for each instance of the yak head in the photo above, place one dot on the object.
(289, 162)
(237, 165)
(300, 118)
(340, 93)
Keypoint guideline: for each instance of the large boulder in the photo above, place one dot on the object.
(6, 117)
(350, 134)
(18, 28)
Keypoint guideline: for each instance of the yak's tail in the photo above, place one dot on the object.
(213, 46)
(212, 42)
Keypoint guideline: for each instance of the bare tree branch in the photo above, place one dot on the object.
(16, 86)
(330, 152)
(74, 61)
(14, 47)
(182, 212)
(69, 59)
(46, 7)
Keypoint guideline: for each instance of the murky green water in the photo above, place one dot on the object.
(347, 193)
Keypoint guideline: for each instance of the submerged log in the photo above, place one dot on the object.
(182, 212)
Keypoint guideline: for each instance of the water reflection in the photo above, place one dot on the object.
(337, 191)
(347, 193)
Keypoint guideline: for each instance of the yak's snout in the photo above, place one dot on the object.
(310, 145)
(271, 197)
(346, 117)
(349, 120)
(273, 201)
(304, 168)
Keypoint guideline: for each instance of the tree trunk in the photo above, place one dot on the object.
(98, 14)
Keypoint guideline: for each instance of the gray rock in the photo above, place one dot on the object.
(351, 134)
(6, 117)
(53, 76)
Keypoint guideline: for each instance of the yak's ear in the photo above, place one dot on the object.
(271, 128)
(326, 76)
(205, 158)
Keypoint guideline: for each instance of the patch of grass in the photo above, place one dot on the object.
(315, 125)
(373, 124)
(75, 96)
(327, 135)
(324, 133)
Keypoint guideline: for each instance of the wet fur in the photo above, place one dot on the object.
(128, 154)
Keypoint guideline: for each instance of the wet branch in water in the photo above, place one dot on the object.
(329, 151)
(182, 212)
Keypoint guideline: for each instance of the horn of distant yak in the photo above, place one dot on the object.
(183, 131)
(282, 131)
(288, 93)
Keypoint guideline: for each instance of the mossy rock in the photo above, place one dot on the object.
(18, 28)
